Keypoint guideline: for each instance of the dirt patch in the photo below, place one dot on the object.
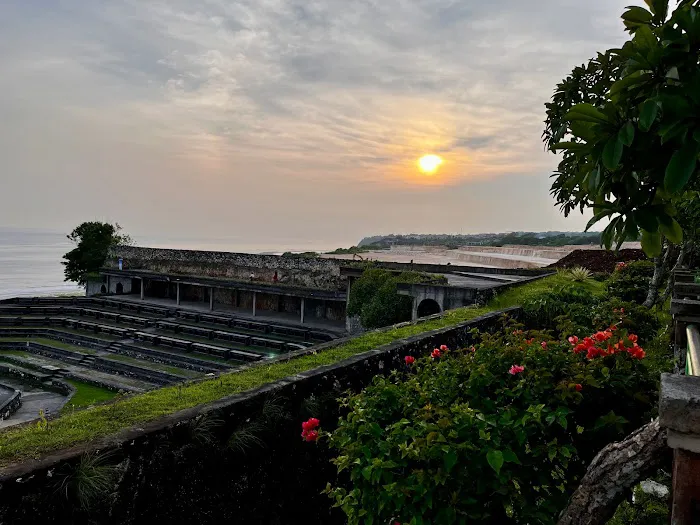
(598, 260)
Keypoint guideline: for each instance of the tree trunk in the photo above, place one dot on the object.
(679, 263)
(660, 270)
(613, 472)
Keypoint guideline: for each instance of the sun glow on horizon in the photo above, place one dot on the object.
(429, 164)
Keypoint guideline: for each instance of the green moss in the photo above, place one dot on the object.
(99, 421)
(142, 363)
(86, 395)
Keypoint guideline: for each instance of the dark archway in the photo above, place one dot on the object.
(120, 288)
(428, 307)
(103, 289)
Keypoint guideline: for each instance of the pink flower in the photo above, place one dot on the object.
(516, 369)
(310, 424)
(443, 348)
(435, 354)
(573, 340)
(409, 359)
(472, 348)
(544, 345)
(309, 435)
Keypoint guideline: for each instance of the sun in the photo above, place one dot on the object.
(429, 163)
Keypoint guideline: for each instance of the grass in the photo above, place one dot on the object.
(142, 363)
(48, 342)
(100, 421)
(86, 395)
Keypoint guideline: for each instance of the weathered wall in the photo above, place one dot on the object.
(299, 271)
(192, 467)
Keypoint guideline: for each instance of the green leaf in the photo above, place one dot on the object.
(647, 114)
(450, 460)
(586, 112)
(696, 135)
(510, 457)
(647, 219)
(681, 167)
(638, 15)
(571, 146)
(593, 183)
(673, 231)
(644, 38)
(598, 217)
(495, 459)
(627, 134)
(612, 153)
(629, 80)
(651, 243)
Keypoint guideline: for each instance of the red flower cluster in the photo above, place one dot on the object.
(620, 266)
(593, 348)
(308, 428)
(436, 353)
(409, 359)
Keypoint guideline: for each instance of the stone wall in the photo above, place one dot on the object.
(298, 271)
(198, 466)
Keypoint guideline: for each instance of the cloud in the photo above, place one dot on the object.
(294, 93)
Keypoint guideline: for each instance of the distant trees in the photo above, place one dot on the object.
(93, 241)
(374, 297)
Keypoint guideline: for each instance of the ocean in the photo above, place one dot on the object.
(30, 263)
(30, 260)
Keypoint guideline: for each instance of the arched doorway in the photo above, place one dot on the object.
(428, 307)
(103, 289)
(120, 288)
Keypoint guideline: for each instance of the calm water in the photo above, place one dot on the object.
(30, 263)
(30, 260)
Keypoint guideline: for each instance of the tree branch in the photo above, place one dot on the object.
(613, 472)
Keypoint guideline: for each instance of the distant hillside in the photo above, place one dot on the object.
(483, 239)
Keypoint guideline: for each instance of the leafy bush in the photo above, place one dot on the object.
(631, 281)
(500, 433)
(571, 300)
(374, 296)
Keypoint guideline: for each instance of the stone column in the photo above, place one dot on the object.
(303, 304)
(679, 413)
(254, 301)
(108, 283)
(143, 294)
(414, 310)
(211, 298)
(177, 294)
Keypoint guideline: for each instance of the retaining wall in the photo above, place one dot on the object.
(179, 469)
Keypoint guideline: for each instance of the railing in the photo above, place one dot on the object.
(692, 361)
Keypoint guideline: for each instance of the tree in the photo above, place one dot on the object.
(629, 126)
(374, 297)
(93, 240)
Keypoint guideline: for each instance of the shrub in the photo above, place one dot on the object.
(500, 434)
(580, 274)
(546, 308)
(631, 282)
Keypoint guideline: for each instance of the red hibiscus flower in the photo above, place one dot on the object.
(409, 359)
(443, 348)
(633, 338)
(578, 388)
(435, 354)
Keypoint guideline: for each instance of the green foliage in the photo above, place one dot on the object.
(631, 282)
(374, 296)
(461, 440)
(628, 120)
(580, 274)
(93, 240)
(91, 480)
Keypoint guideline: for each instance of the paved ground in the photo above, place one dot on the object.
(261, 315)
(34, 400)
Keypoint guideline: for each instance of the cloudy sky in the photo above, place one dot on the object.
(286, 120)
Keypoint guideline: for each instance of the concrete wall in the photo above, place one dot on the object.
(300, 271)
(180, 470)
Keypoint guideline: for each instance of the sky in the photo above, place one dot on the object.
(286, 121)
